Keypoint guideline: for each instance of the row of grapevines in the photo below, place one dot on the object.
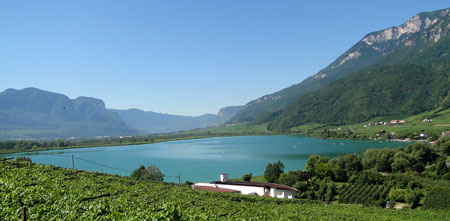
(363, 194)
(46, 192)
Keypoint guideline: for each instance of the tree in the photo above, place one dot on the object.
(345, 166)
(401, 162)
(370, 158)
(290, 178)
(352, 163)
(318, 166)
(315, 160)
(397, 195)
(441, 167)
(413, 198)
(384, 163)
(422, 153)
(273, 171)
(150, 173)
(247, 177)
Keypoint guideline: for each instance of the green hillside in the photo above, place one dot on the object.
(405, 89)
(411, 80)
(45, 192)
(390, 46)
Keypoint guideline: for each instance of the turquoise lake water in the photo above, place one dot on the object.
(202, 160)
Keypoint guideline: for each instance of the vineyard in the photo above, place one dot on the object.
(44, 192)
(363, 194)
(438, 198)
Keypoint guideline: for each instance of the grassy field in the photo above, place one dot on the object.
(44, 192)
(441, 123)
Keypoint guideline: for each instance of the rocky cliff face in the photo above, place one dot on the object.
(423, 28)
(228, 112)
(35, 113)
(430, 26)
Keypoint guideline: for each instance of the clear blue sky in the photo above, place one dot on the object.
(182, 57)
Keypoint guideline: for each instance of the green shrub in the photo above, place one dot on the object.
(397, 195)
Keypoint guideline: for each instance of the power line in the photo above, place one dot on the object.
(100, 164)
(88, 161)
(103, 165)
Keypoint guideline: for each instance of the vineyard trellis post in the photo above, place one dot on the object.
(24, 213)
(179, 178)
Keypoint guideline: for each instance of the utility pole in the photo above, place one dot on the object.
(73, 163)
(179, 180)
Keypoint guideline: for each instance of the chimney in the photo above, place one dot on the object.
(223, 177)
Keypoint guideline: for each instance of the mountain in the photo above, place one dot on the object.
(32, 113)
(371, 49)
(229, 112)
(411, 77)
(152, 122)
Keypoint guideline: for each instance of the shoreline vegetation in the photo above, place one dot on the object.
(383, 184)
(18, 146)
(408, 133)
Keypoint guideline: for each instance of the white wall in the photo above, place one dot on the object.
(283, 194)
(245, 190)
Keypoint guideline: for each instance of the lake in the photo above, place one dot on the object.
(202, 160)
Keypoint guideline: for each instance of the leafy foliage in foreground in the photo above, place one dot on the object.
(50, 193)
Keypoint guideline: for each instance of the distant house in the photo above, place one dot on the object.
(446, 133)
(427, 120)
(367, 125)
(424, 135)
(392, 134)
(380, 133)
(394, 122)
(402, 122)
(248, 188)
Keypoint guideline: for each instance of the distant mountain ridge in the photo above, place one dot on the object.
(373, 48)
(152, 122)
(33, 113)
(411, 77)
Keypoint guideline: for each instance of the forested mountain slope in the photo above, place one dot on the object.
(413, 79)
(403, 41)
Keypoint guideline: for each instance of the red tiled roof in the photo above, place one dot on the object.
(216, 189)
(258, 184)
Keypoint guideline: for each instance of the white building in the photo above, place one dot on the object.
(246, 188)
